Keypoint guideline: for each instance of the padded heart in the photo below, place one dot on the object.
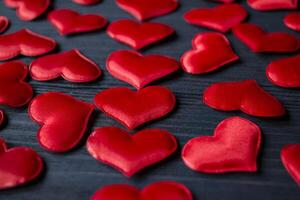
(2, 117)
(133, 109)
(211, 51)
(28, 10)
(166, 190)
(69, 22)
(233, 148)
(4, 23)
(139, 70)
(145, 9)
(292, 21)
(18, 166)
(15, 92)
(290, 159)
(63, 120)
(260, 41)
(87, 2)
(138, 35)
(24, 42)
(221, 18)
(130, 153)
(264, 5)
(246, 96)
(71, 65)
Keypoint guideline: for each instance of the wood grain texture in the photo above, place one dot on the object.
(76, 175)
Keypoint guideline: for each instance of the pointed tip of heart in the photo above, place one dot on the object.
(290, 159)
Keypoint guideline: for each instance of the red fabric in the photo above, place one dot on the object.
(4, 23)
(290, 157)
(292, 21)
(86, 2)
(265, 5)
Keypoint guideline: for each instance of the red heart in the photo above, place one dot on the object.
(15, 92)
(130, 153)
(260, 41)
(145, 9)
(136, 108)
(138, 35)
(86, 2)
(69, 22)
(71, 65)
(211, 51)
(24, 42)
(292, 21)
(166, 190)
(246, 96)
(233, 148)
(28, 10)
(290, 159)
(18, 165)
(285, 72)
(2, 117)
(264, 5)
(63, 120)
(4, 23)
(221, 18)
(139, 70)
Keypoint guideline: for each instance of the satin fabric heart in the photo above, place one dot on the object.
(285, 72)
(4, 23)
(2, 117)
(28, 10)
(138, 35)
(139, 70)
(291, 160)
(15, 92)
(86, 2)
(133, 109)
(71, 65)
(18, 165)
(145, 9)
(221, 18)
(69, 22)
(210, 52)
(260, 41)
(246, 96)
(292, 21)
(233, 148)
(130, 153)
(63, 120)
(24, 42)
(265, 5)
(164, 190)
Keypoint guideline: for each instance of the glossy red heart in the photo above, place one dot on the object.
(260, 41)
(166, 190)
(264, 5)
(291, 160)
(221, 18)
(233, 148)
(24, 42)
(28, 10)
(133, 109)
(2, 117)
(71, 65)
(292, 21)
(139, 70)
(18, 165)
(15, 92)
(130, 153)
(210, 52)
(86, 2)
(63, 120)
(4, 23)
(246, 96)
(138, 35)
(145, 9)
(69, 22)
(285, 72)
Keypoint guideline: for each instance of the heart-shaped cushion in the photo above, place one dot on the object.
(264, 5)
(4, 23)
(86, 2)
(291, 160)
(292, 21)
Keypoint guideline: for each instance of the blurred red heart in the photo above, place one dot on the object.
(292, 21)
(233, 148)
(246, 96)
(138, 35)
(221, 18)
(166, 190)
(63, 120)
(145, 9)
(136, 108)
(211, 51)
(4, 23)
(18, 165)
(290, 159)
(264, 5)
(28, 10)
(260, 41)
(2, 117)
(69, 22)
(86, 2)
(71, 65)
